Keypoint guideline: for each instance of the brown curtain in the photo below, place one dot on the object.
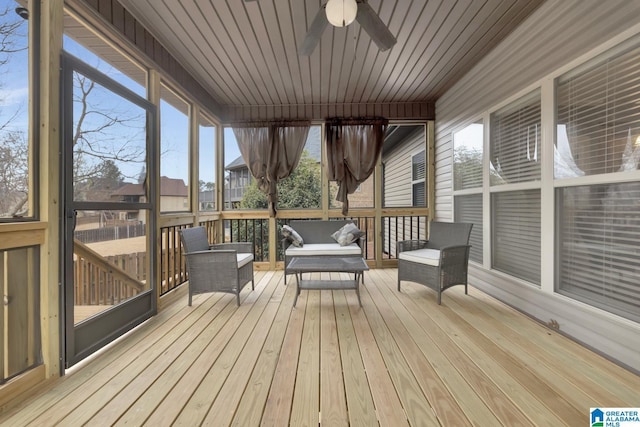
(353, 146)
(271, 151)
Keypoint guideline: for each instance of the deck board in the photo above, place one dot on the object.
(399, 359)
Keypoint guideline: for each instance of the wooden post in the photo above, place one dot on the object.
(48, 145)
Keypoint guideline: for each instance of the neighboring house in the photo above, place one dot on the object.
(174, 196)
(239, 178)
(237, 181)
(207, 200)
(130, 193)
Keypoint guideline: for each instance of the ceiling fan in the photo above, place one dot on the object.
(341, 13)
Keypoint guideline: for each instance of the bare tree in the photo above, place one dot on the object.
(14, 148)
(14, 173)
(11, 28)
(106, 134)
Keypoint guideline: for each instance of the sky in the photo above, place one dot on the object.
(14, 79)
(471, 136)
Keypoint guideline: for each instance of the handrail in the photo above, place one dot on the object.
(84, 251)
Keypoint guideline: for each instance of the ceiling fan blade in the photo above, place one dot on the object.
(374, 26)
(316, 29)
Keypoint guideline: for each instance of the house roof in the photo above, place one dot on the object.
(168, 187)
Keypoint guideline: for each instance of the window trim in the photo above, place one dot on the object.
(423, 180)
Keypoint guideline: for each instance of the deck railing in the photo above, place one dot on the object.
(397, 228)
(100, 281)
(173, 266)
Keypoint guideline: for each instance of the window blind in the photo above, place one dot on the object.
(418, 175)
(468, 208)
(419, 194)
(418, 166)
(516, 234)
(515, 141)
(598, 104)
(599, 246)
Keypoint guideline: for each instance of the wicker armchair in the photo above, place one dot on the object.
(438, 263)
(223, 267)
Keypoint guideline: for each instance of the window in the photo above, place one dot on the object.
(516, 234)
(515, 213)
(16, 157)
(467, 183)
(418, 182)
(468, 208)
(598, 129)
(515, 141)
(598, 135)
(599, 246)
(174, 151)
(207, 167)
(467, 157)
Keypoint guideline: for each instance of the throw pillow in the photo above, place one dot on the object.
(348, 234)
(292, 235)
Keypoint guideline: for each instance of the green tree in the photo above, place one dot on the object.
(300, 190)
(467, 170)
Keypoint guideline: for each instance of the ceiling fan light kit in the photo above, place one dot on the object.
(341, 13)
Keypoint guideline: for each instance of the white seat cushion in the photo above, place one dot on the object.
(244, 259)
(310, 249)
(422, 256)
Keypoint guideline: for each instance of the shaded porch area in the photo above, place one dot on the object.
(400, 359)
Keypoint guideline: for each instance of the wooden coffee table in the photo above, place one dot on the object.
(327, 264)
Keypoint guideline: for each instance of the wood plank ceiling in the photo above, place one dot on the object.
(245, 53)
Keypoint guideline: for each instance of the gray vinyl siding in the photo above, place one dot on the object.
(557, 33)
(397, 180)
(398, 190)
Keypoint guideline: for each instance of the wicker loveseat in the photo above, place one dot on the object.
(223, 267)
(438, 263)
(316, 235)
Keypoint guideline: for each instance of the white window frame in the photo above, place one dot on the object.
(419, 181)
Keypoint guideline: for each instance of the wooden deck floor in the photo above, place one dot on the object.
(398, 360)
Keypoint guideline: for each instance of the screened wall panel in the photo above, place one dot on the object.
(468, 208)
(516, 234)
